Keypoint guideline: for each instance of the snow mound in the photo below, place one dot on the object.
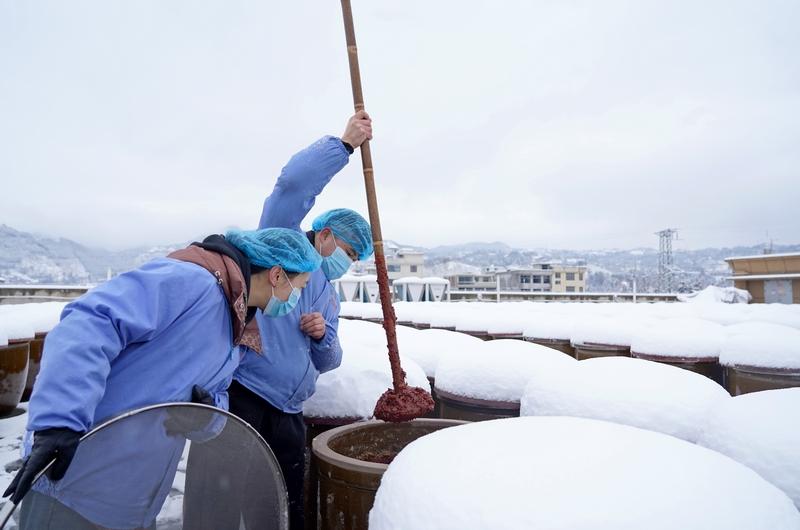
(549, 326)
(614, 331)
(691, 338)
(644, 394)
(23, 321)
(497, 370)
(15, 324)
(714, 295)
(763, 345)
(351, 390)
(760, 431)
(571, 474)
(428, 346)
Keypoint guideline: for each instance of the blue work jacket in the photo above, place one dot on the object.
(144, 337)
(285, 374)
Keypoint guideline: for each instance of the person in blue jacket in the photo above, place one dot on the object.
(269, 389)
(169, 331)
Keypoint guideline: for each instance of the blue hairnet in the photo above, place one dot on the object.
(348, 226)
(276, 246)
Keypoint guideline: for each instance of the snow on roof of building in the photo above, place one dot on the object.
(779, 276)
(766, 256)
(408, 279)
(689, 338)
(571, 473)
(497, 370)
(767, 346)
(633, 392)
(760, 431)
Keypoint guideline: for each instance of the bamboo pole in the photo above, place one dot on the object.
(389, 318)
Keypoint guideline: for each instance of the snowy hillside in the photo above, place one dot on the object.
(29, 258)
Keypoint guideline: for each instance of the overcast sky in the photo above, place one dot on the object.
(564, 124)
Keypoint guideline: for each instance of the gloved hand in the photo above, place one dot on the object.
(58, 443)
(184, 422)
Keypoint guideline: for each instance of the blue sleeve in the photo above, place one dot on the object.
(95, 329)
(326, 353)
(301, 180)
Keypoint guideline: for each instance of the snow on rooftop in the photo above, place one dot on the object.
(629, 391)
(760, 430)
(408, 279)
(571, 474)
(690, 338)
(497, 370)
(435, 280)
(762, 345)
(352, 390)
(767, 256)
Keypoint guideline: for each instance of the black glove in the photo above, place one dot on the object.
(183, 422)
(201, 395)
(59, 444)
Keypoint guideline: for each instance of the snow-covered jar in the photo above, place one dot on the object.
(760, 356)
(427, 347)
(553, 330)
(604, 336)
(760, 431)
(372, 312)
(351, 310)
(509, 323)
(689, 343)
(33, 321)
(643, 394)
(571, 473)
(486, 381)
(15, 336)
(348, 394)
(350, 461)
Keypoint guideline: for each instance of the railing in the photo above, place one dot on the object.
(20, 294)
(543, 296)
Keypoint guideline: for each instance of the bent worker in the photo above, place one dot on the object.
(269, 388)
(169, 331)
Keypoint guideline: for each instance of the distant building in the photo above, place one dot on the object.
(469, 281)
(770, 278)
(400, 263)
(405, 262)
(569, 278)
(536, 278)
(539, 277)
